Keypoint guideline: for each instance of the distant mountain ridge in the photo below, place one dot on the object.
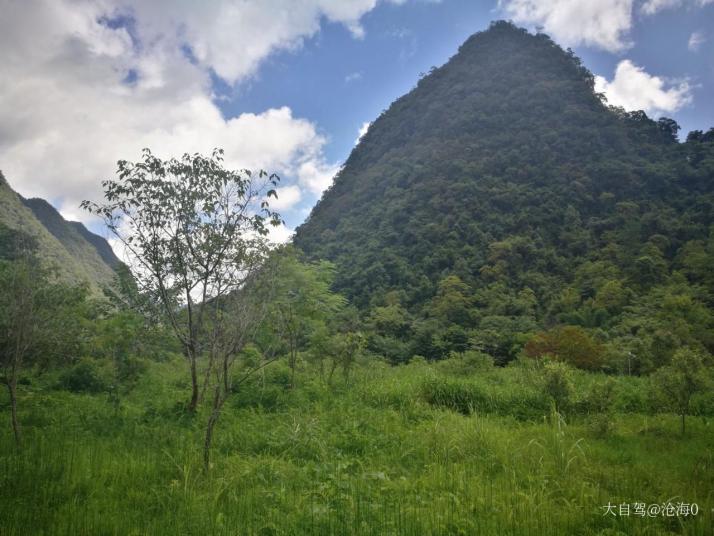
(72, 234)
(76, 253)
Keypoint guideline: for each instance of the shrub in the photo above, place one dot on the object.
(466, 363)
(558, 383)
(83, 377)
(129, 370)
(601, 398)
(676, 384)
(601, 401)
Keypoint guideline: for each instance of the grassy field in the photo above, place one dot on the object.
(419, 449)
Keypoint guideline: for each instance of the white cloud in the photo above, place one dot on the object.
(233, 36)
(635, 89)
(316, 176)
(288, 197)
(651, 7)
(601, 23)
(696, 40)
(68, 115)
(362, 131)
(280, 234)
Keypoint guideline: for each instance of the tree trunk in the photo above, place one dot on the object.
(206, 378)
(12, 387)
(226, 380)
(194, 383)
(212, 420)
(683, 415)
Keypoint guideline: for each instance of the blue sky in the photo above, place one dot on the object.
(288, 86)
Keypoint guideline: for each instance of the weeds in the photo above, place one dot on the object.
(406, 450)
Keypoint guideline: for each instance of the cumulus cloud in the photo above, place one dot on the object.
(288, 197)
(316, 175)
(696, 40)
(635, 89)
(88, 82)
(651, 7)
(233, 37)
(603, 23)
(280, 234)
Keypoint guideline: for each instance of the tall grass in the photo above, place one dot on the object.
(406, 450)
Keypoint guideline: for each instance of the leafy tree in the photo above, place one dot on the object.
(502, 337)
(669, 128)
(453, 303)
(665, 319)
(570, 344)
(194, 231)
(687, 374)
(235, 324)
(342, 349)
(33, 311)
(303, 301)
(391, 332)
(339, 341)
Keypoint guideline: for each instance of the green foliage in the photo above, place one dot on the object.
(503, 196)
(83, 377)
(41, 320)
(68, 248)
(601, 400)
(194, 232)
(570, 344)
(558, 384)
(688, 373)
(466, 363)
(301, 306)
(372, 456)
(498, 199)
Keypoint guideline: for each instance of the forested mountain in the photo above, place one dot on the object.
(77, 254)
(502, 198)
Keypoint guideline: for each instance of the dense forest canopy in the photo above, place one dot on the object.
(503, 197)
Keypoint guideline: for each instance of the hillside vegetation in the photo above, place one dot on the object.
(67, 247)
(502, 197)
(497, 321)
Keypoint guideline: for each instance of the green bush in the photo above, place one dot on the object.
(83, 377)
(558, 383)
(466, 363)
(129, 370)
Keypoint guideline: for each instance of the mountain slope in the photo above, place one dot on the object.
(77, 254)
(505, 170)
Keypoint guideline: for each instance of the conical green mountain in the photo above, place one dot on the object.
(502, 178)
(77, 254)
